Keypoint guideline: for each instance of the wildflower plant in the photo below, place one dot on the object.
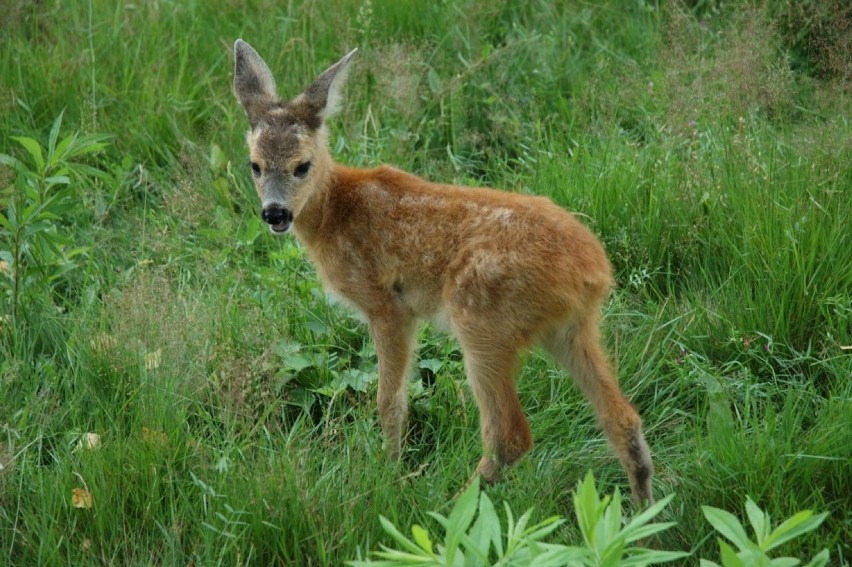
(36, 251)
(755, 553)
(606, 539)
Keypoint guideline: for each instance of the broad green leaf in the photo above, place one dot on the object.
(759, 520)
(34, 149)
(602, 535)
(796, 525)
(218, 159)
(727, 525)
(612, 517)
(562, 556)
(460, 518)
(76, 251)
(87, 145)
(643, 532)
(542, 529)
(402, 558)
(588, 508)
(439, 518)
(432, 364)
(434, 81)
(31, 213)
(720, 419)
(611, 556)
(55, 239)
(465, 507)
(472, 554)
(60, 271)
(89, 171)
(36, 227)
(51, 139)
(296, 361)
(300, 397)
(62, 147)
(58, 180)
(754, 557)
(56, 206)
(6, 223)
(785, 562)
(486, 530)
(651, 556)
(391, 530)
(291, 357)
(356, 379)
(30, 190)
(820, 560)
(521, 525)
(729, 556)
(707, 563)
(421, 538)
(510, 522)
(630, 531)
(8, 160)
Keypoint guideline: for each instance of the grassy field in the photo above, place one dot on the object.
(142, 299)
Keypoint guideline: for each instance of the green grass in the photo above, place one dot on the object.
(707, 147)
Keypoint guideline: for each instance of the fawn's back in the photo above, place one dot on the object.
(443, 250)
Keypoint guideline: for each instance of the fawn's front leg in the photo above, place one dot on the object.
(393, 334)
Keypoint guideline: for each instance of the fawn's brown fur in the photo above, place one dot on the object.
(502, 271)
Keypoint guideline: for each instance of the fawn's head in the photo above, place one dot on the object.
(288, 139)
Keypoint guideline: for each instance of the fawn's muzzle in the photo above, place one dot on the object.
(277, 217)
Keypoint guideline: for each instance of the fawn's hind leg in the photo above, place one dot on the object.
(577, 347)
(393, 335)
(504, 428)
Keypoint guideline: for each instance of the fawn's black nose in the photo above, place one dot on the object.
(278, 218)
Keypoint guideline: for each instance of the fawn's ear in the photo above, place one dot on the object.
(324, 95)
(253, 82)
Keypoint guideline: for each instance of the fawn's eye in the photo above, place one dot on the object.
(255, 169)
(302, 169)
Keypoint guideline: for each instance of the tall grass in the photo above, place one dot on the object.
(708, 147)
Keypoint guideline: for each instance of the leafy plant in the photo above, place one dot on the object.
(39, 252)
(600, 522)
(466, 544)
(756, 553)
(606, 538)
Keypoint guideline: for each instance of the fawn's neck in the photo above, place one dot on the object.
(312, 213)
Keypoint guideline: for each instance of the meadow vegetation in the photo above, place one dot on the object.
(142, 300)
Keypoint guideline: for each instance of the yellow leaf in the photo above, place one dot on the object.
(89, 441)
(421, 537)
(153, 437)
(102, 343)
(152, 359)
(81, 498)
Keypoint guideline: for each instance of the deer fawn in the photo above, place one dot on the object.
(502, 271)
